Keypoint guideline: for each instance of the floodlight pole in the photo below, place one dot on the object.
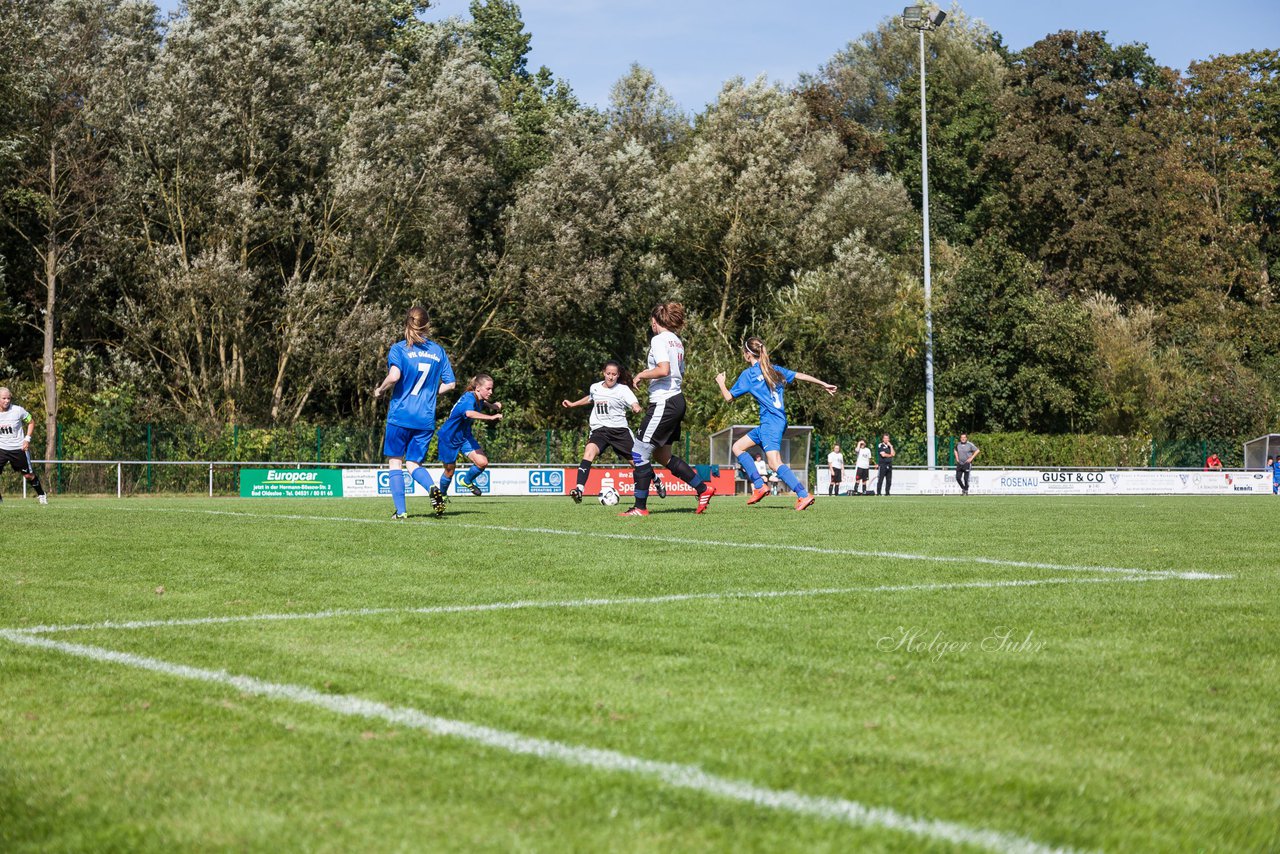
(921, 19)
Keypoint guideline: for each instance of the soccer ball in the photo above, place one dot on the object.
(608, 497)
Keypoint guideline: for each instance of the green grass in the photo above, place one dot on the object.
(1145, 716)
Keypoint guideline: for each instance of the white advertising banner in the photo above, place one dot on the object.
(371, 483)
(1063, 482)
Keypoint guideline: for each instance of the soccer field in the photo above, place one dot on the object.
(905, 674)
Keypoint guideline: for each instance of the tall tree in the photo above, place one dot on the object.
(287, 163)
(726, 214)
(58, 165)
(641, 110)
(530, 100)
(1012, 355)
(1221, 178)
(1076, 162)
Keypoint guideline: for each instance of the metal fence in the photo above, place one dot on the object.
(136, 459)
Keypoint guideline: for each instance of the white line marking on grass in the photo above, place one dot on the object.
(574, 603)
(690, 777)
(684, 541)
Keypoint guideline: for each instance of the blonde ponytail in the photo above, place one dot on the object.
(756, 348)
(417, 326)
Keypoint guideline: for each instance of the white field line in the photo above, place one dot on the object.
(685, 541)
(575, 603)
(690, 777)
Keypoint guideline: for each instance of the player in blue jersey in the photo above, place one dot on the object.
(456, 437)
(1274, 466)
(419, 370)
(765, 382)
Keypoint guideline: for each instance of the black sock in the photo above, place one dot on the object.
(685, 472)
(584, 468)
(35, 483)
(644, 479)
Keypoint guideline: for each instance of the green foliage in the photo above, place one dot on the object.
(250, 196)
(1075, 160)
(1012, 355)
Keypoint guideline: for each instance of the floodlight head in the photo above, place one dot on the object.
(936, 18)
(913, 14)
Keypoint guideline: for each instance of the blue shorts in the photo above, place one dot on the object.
(407, 443)
(768, 436)
(455, 442)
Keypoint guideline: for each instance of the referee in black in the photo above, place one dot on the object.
(886, 453)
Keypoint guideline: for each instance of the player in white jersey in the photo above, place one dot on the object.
(16, 427)
(611, 400)
(661, 426)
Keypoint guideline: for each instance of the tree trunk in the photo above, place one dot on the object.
(51, 259)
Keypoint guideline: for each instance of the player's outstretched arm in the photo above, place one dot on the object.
(828, 387)
(474, 415)
(570, 404)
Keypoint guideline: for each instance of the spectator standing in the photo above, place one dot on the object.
(863, 470)
(1213, 463)
(835, 463)
(965, 453)
(887, 452)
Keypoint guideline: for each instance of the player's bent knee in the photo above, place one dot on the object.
(641, 453)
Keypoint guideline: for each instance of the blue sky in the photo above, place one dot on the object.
(693, 46)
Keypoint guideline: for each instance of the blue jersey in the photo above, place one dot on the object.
(458, 419)
(1275, 471)
(423, 368)
(751, 381)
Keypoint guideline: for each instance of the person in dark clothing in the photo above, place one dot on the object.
(886, 453)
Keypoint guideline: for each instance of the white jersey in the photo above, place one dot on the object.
(864, 458)
(13, 427)
(666, 347)
(609, 406)
(836, 461)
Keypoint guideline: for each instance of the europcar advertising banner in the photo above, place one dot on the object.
(290, 483)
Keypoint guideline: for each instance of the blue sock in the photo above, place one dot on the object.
(790, 479)
(420, 475)
(749, 466)
(473, 473)
(445, 483)
(396, 482)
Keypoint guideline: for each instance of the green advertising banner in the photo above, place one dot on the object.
(290, 483)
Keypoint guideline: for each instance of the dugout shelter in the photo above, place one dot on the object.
(1257, 450)
(796, 448)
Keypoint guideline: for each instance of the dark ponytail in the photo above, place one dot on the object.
(669, 315)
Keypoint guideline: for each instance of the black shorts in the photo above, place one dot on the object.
(661, 424)
(837, 475)
(862, 474)
(19, 459)
(618, 438)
